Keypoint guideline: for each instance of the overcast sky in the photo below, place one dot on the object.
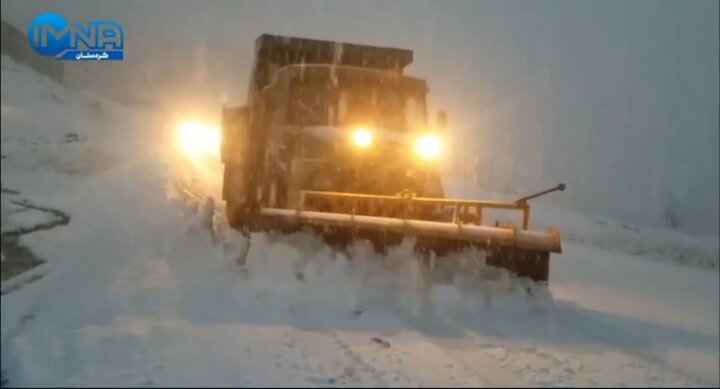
(619, 99)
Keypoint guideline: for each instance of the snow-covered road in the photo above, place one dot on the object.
(133, 292)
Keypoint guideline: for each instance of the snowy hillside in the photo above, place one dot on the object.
(131, 290)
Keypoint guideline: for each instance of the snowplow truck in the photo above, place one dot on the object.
(335, 138)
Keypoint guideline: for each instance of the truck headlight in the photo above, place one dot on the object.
(362, 137)
(196, 139)
(428, 146)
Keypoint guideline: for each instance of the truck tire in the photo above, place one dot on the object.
(234, 214)
(235, 207)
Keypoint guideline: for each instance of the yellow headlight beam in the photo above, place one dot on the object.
(429, 146)
(362, 137)
(196, 139)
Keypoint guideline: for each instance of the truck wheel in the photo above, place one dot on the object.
(239, 213)
(236, 208)
(235, 214)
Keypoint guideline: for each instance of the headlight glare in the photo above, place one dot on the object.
(429, 146)
(362, 137)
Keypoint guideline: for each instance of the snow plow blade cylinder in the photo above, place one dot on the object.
(548, 241)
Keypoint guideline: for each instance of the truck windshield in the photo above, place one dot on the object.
(375, 104)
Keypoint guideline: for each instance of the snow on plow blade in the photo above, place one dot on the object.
(369, 211)
(548, 241)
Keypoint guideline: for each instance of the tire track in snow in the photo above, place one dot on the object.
(654, 368)
(357, 359)
(477, 360)
(534, 366)
(543, 367)
(408, 359)
(320, 357)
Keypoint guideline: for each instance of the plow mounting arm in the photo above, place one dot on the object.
(522, 201)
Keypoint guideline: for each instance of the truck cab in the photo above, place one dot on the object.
(328, 116)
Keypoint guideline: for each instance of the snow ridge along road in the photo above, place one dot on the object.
(136, 293)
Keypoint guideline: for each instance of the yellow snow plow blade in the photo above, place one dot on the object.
(395, 214)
